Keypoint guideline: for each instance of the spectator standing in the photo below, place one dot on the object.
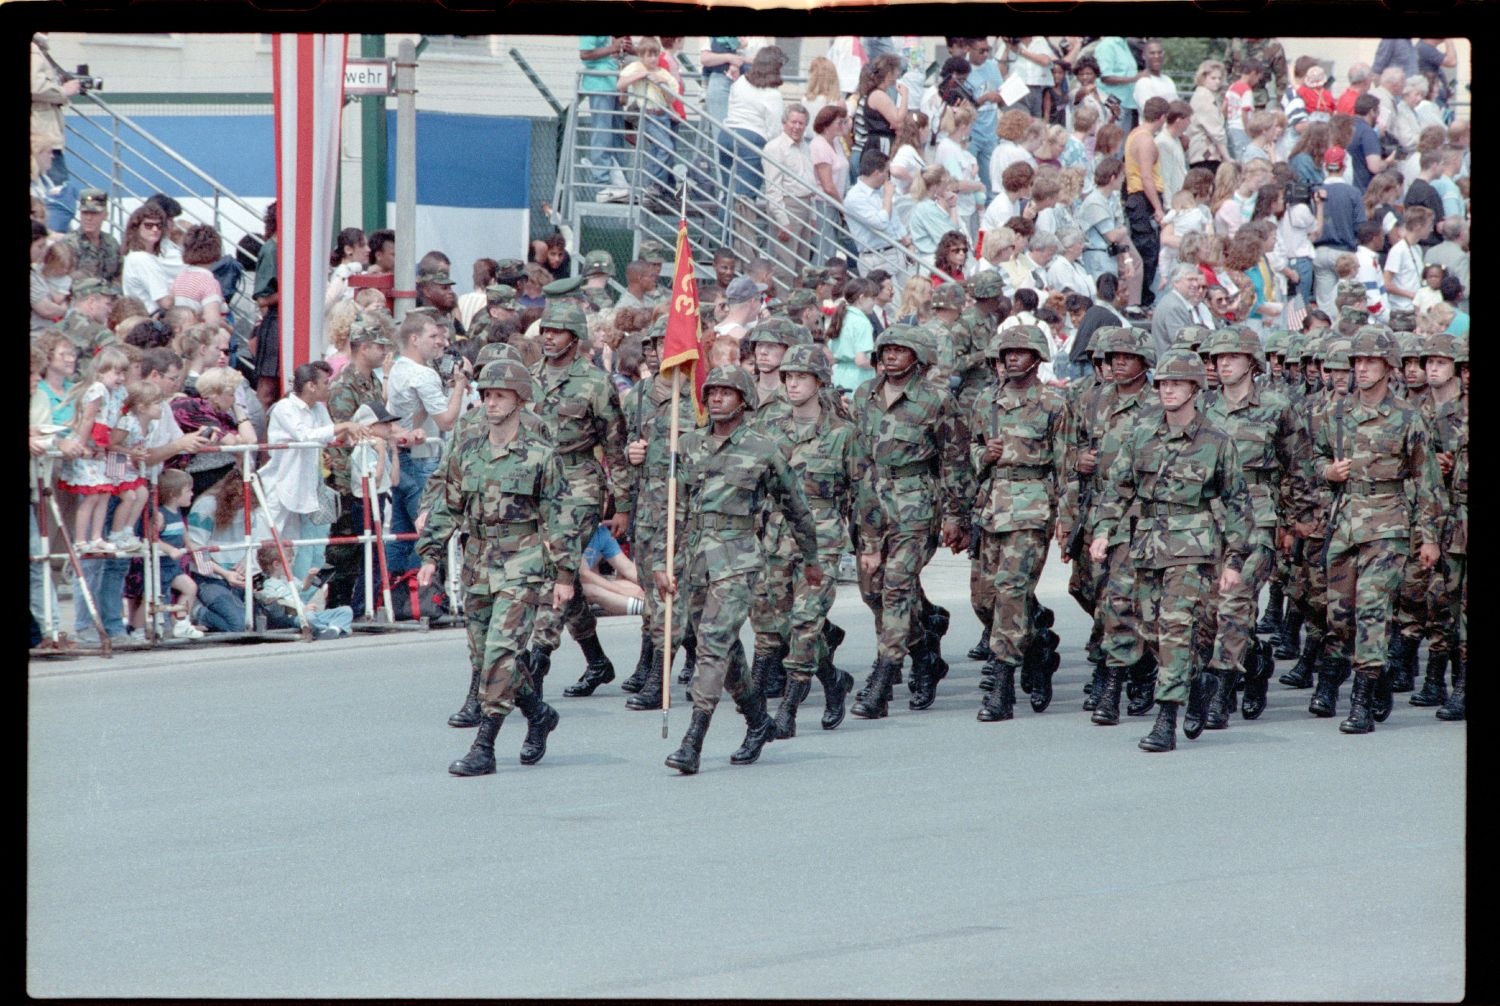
(97, 253)
(962, 166)
(142, 274)
(851, 337)
(753, 117)
(1403, 263)
(1153, 82)
(722, 64)
(652, 92)
(351, 250)
(1398, 53)
(830, 163)
(1316, 96)
(822, 90)
(266, 338)
(97, 400)
(196, 287)
(1239, 103)
(1171, 154)
(600, 55)
(1360, 81)
(868, 208)
(984, 81)
(49, 100)
(1421, 192)
(1118, 73)
(1306, 158)
(790, 183)
(1031, 62)
(1364, 148)
(1143, 192)
(1208, 139)
(876, 116)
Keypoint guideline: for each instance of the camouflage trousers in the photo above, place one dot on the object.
(499, 625)
(1084, 582)
(1446, 602)
(1015, 560)
(809, 610)
(1171, 602)
(1312, 594)
(1362, 584)
(770, 610)
(584, 515)
(1229, 619)
(1413, 615)
(720, 608)
(653, 614)
(1119, 615)
(894, 591)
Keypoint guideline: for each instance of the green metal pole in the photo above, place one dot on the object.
(374, 187)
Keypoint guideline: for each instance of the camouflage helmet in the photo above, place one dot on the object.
(737, 378)
(1235, 339)
(986, 285)
(1461, 350)
(808, 359)
(1296, 347)
(1350, 293)
(800, 300)
(1277, 341)
(1022, 337)
(1410, 344)
(506, 375)
(1335, 355)
(1443, 345)
(908, 336)
(1403, 319)
(566, 315)
(1182, 364)
(950, 296)
(1125, 339)
(492, 351)
(1096, 344)
(1192, 337)
(657, 332)
(779, 330)
(1375, 340)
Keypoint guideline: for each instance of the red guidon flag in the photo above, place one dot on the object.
(680, 347)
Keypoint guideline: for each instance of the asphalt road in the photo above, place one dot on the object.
(277, 820)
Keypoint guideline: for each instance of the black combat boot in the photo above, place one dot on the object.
(786, 713)
(1360, 720)
(1143, 676)
(599, 671)
(1454, 708)
(1107, 694)
(874, 704)
(775, 683)
(1045, 616)
(689, 659)
(926, 670)
(1163, 736)
(637, 678)
(541, 720)
(981, 649)
(1301, 673)
(1042, 642)
(1044, 663)
(1401, 661)
(468, 713)
(758, 670)
(649, 697)
(837, 685)
(1382, 697)
(539, 660)
(937, 619)
(685, 758)
(1095, 687)
(1202, 689)
(760, 729)
(1332, 672)
(481, 757)
(1217, 716)
(1434, 689)
(1289, 639)
(1000, 702)
(1257, 678)
(890, 692)
(833, 636)
(1271, 621)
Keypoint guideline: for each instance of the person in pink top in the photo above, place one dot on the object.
(196, 286)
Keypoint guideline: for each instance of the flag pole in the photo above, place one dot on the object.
(667, 650)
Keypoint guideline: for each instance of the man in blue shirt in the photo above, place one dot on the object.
(1397, 52)
(1364, 148)
(1343, 212)
(602, 53)
(867, 208)
(984, 80)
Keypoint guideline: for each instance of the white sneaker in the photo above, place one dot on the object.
(138, 635)
(183, 629)
(614, 194)
(100, 547)
(128, 544)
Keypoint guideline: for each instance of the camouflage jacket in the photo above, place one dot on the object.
(722, 483)
(1452, 426)
(1103, 423)
(1393, 489)
(1310, 498)
(944, 341)
(87, 336)
(472, 425)
(1271, 54)
(1169, 479)
(511, 499)
(1019, 492)
(582, 410)
(823, 456)
(971, 339)
(347, 393)
(771, 406)
(1263, 428)
(648, 417)
(917, 455)
(100, 260)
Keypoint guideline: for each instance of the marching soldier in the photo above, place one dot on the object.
(919, 476)
(582, 410)
(1172, 465)
(1375, 455)
(1274, 376)
(1452, 595)
(979, 324)
(724, 474)
(500, 305)
(1018, 447)
(510, 489)
(1086, 579)
(1410, 620)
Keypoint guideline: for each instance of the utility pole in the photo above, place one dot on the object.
(373, 190)
(406, 178)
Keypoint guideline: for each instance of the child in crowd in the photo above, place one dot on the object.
(373, 459)
(1432, 288)
(175, 494)
(1403, 263)
(278, 596)
(98, 400)
(1371, 238)
(138, 416)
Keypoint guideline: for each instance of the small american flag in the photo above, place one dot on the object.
(1295, 313)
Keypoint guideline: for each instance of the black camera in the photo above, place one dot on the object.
(1013, 41)
(1299, 191)
(1116, 248)
(85, 81)
(449, 363)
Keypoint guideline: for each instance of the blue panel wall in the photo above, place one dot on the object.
(239, 151)
(477, 161)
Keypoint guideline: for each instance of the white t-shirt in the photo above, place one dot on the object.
(1007, 152)
(414, 393)
(1149, 87)
(143, 277)
(1404, 263)
(363, 461)
(910, 160)
(1373, 280)
(962, 165)
(757, 109)
(1032, 74)
(1292, 232)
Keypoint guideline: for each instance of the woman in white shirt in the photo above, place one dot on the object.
(754, 116)
(1065, 272)
(1208, 137)
(909, 159)
(822, 87)
(953, 154)
(1011, 130)
(142, 275)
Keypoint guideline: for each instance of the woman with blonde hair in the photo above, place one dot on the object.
(822, 87)
(935, 212)
(340, 320)
(953, 154)
(916, 302)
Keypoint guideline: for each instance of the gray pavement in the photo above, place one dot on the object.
(277, 820)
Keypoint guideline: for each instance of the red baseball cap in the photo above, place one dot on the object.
(1334, 157)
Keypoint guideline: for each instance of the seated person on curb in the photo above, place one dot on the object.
(617, 595)
(275, 595)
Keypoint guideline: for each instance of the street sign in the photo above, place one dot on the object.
(369, 76)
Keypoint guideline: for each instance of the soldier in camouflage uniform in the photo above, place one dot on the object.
(947, 333)
(510, 488)
(1275, 377)
(500, 305)
(819, 447)
(1171, 467)
(1260, 422)
(971, 340)
(84, 324)
(96, 254)
(1375, 455)
(648, 424)
(724, 475)
(1086, 580)
(1128, 353)
(1018, 439)
(1275, 348)
(598, 267)
(1410, 620)
(1451, 592)
(1269, 53)
(919, 476)
(582, 410)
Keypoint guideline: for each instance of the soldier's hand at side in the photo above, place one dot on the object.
(420, 524)
(562, 595)
(869, 562)
(1088, 461)
(1303, 529)
(813, 575)
(426, 573)
(619, 524)
(1427, 555)
(1228, 580)
(666, 584)
(1099, 548)
(1287, 540)
(1337, 471)
(1445, 462)
(994, 448)
(953, 536)
(635, 452)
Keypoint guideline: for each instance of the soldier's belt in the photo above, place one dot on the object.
(822, 504)
(1375, 487)
(726, 522)
(1023, 473)
(513, 527)
(1158, 508)
(1262, 476)
(576, 456)
(904, 471)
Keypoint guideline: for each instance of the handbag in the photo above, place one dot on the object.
(328, 505)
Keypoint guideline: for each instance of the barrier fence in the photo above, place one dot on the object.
(373, 539)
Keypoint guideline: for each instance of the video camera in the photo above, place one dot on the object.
(86, 82)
